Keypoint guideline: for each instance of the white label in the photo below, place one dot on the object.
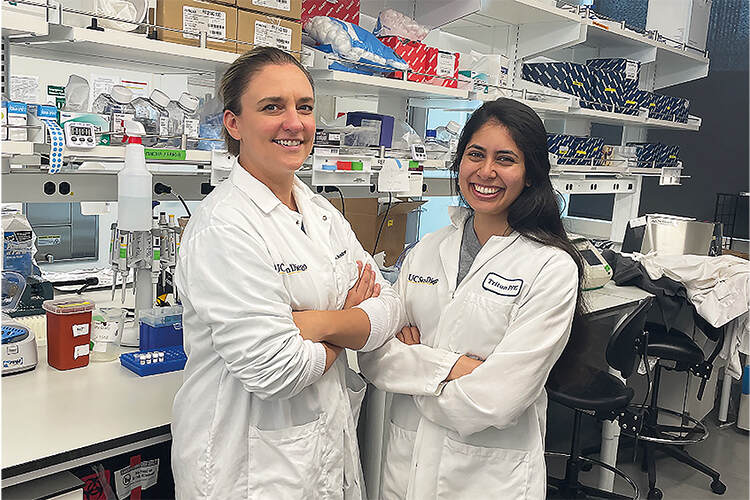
(502, 286)
(24, 88)
(191, 128)
(213, 22)
(272, 35)
(274, 4)
(143, 476)
(81, 351)
(105, 331)
(80, 330)
(4, 121)
(631, 70)
(638, 222)
(48, 240)
(163, 126)
(446, 63)
(117, 119)
(393, 175)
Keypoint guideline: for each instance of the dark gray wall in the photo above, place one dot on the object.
(716, 157)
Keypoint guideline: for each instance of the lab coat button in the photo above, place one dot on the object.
(325, 217)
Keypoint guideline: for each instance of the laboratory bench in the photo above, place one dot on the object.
(53, 421)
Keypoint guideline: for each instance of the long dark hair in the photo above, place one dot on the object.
(535, 213)
(239, 74)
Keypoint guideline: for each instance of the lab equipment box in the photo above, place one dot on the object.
(14, 114)
(346, 10)
(416, 54)
(576, 150)
(655, 154)
(571, 78)
(366, 216)
(161, 327)
(218, 21)
(613, 81)
(681, 21)
(265, 30)
(288, 9)
(670, 108)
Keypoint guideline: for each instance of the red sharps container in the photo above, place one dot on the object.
(68, 332)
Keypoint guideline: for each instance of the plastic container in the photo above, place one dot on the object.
(184, 118)
(168, 359)
(107, 325)
(161, 327)
(134, 184)
(117, 105)
(152, 113)
(68, 332)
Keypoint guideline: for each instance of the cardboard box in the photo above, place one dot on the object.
(363, 215)
(416, 54)
(444, 65)
(195, 15)
(15, 114)
(288, 9)
(346, 10)
(265, 30)
(231, 3)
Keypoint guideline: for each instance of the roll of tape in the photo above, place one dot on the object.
(57, 142)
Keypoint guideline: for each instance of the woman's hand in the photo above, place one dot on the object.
(464, 366)
(364, 288)
(409, 335)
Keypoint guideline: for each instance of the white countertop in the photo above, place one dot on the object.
(46, 411)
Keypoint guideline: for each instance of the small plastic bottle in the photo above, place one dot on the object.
(106, 333)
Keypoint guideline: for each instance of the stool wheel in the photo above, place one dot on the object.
(718, 487)
(655, 494)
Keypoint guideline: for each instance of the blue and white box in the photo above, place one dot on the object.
(571, 78)
(15, 114)
(614, 79)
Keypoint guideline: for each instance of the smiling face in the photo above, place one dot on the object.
(276, 125)
(492, 173)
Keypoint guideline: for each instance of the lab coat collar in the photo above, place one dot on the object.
(261, 195)
(458, 216)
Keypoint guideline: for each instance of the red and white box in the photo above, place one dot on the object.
(444, 65)
(416, 54)
(346, 10)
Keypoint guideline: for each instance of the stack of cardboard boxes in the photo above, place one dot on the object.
(274, 23)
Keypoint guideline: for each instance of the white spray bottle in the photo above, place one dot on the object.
(134, 183)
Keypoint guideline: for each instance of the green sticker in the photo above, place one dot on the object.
(166, 154)
(157, 254)
(56, 90)
(123, 252)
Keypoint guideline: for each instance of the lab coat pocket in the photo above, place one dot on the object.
(287, 463)
(484, 326)
(473, 472)
(355, 388)
(397, 463)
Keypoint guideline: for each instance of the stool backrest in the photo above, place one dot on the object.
(623, 349)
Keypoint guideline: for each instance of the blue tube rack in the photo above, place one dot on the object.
(174, 360)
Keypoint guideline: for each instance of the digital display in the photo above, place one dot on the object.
(78, 130)
(591, 258)
(418, 149)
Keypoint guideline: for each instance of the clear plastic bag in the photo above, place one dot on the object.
(394, 23)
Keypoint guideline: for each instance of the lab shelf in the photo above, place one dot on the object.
(111, 48)
(345, 84)
(103, 154)
(16, 21)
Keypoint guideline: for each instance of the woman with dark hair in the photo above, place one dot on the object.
(489, 300)
(274, 284)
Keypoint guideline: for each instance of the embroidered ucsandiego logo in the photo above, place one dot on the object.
(340, 255)
(421, 280)
(289, 268)
(502, 286)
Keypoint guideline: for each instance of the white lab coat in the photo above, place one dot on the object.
(482, 435)
(255, 416)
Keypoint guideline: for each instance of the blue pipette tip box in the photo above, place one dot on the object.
(174, 360)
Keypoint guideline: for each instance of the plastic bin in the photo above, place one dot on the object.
(161, 327)
(68, 332)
